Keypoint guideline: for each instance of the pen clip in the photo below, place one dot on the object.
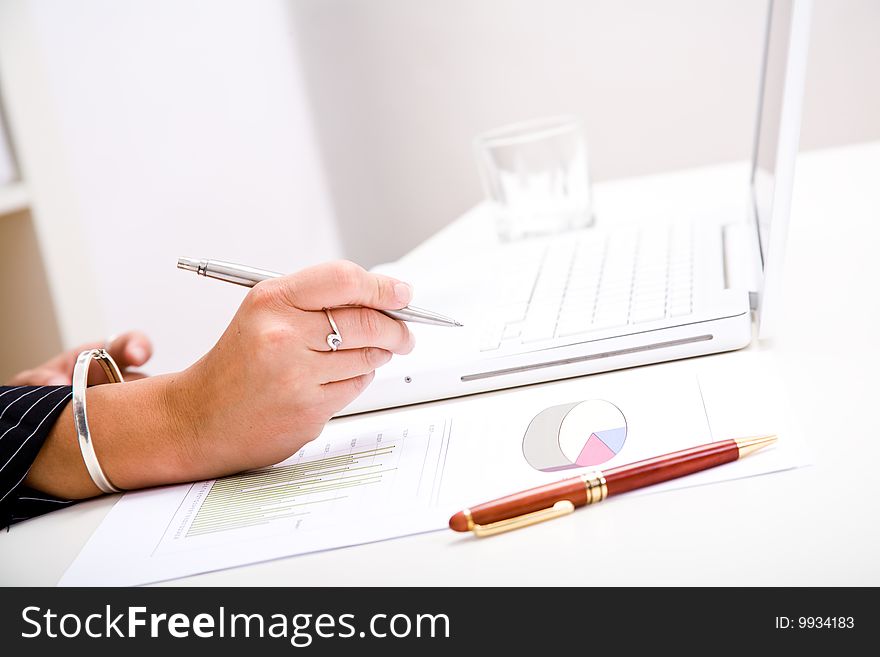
(561, 508)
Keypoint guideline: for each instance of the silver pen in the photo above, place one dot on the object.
(250, 276)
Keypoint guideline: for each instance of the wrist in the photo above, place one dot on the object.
(183, 422)
(136, 429)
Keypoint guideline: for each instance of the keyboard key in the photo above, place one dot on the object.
(575, 310)
(538, 332)
(678, 297)
(649, 299)
(574, 326)
(648, 313)
(513, 312)
(512, 331)
(579, 281)
(489, 345)
(610, 292)
(605, 322)
(607, 306)
(490, 337)
(650, 288)
(680, 308)
(539, 328)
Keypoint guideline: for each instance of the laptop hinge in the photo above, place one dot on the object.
(753, 300)
(739, 266)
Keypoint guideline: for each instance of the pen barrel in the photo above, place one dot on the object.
(529, 501)
(670, 466)
(234, 273)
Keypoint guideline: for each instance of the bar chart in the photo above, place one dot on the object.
(288, 491)
(336, 481)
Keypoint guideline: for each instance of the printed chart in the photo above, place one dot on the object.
(329, 484)
(289, 491)
(576, 435)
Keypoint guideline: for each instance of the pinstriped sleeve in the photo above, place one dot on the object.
(27, 414)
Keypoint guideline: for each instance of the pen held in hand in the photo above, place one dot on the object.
(561, 497)
(250, 276)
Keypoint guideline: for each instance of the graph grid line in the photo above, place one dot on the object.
(261, 496)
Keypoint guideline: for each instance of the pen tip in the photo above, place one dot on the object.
(457, 323)
(749, 445)
(190, 264)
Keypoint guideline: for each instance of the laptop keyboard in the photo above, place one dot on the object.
(591, 282)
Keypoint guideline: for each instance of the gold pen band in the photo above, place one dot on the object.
(470, 519)
(746, 446)
(597, 489)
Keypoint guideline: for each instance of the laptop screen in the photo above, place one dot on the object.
(770, 114)
(777, 133)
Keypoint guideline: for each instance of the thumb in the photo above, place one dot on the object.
(343, 283)
(131, 349)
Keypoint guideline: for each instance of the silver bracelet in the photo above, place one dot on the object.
(80, 381)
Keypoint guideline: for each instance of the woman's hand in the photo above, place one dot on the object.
(129, 350)
(266, 388)
(271, 382)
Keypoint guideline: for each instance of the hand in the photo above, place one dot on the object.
(131, 349)
(271, 382)
(266, 388)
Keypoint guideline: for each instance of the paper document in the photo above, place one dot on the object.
(346, 487)
(395, 473)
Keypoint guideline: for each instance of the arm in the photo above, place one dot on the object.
(266, 388)
(139, 441)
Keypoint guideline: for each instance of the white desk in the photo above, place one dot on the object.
(818, 525)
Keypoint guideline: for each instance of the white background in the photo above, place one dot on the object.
(284, 133)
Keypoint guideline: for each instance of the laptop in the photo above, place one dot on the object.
(596, 300)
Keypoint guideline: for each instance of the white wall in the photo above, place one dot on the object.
(150, 129)
(401, 87)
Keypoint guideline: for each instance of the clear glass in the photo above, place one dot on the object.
(536, 176)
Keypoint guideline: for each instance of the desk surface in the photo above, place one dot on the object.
(813, 526)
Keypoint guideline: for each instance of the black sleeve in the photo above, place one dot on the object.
(27, 414)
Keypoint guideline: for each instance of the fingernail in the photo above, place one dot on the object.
(57, 381)
(137, 353)
(403, 292)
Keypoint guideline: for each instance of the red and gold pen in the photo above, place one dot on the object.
(561, 497)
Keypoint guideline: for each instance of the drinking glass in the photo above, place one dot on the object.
(536, 177)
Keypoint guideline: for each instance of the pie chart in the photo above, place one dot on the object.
(574, 435)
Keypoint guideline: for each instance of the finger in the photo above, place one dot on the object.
(131, 349)
(339, 394)
(359, 327)
(63, 363)
(342, 283)
(40, 376)
(349, 363)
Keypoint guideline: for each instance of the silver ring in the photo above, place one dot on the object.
(334, 340)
